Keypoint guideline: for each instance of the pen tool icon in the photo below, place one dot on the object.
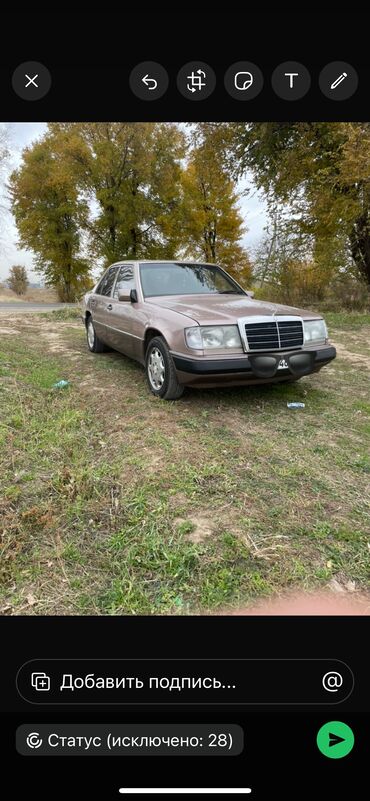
(338, 80)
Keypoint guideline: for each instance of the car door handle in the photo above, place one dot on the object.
(109, 307)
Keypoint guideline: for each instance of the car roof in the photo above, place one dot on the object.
(163, 261)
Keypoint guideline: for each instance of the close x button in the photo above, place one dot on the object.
(31, 80)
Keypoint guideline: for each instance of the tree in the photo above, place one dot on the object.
(124, 191)
(4, 152)
(268, 251)
(4, 157)
(283, 262)
(212, 223)
(49, 214)
(129, 173)
(321, 172)
(17, 280)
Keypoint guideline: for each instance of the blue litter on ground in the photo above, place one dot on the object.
(61, 384)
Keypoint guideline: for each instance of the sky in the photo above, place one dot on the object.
(22, 134)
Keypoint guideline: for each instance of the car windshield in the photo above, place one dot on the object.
(180, 278)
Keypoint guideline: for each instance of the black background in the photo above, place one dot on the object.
(90, 57)
(280, 742)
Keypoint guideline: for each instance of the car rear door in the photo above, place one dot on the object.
(122, 314)
(101, 304)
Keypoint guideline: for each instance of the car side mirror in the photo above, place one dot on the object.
(250, 294)
(131, 298)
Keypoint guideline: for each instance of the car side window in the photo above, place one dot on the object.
(106, 283)
(125, 280)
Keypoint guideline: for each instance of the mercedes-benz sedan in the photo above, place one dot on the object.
(193, 324)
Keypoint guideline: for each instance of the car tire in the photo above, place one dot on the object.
(94, 344)
(160, 371)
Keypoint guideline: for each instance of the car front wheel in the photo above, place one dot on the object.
(161, 372)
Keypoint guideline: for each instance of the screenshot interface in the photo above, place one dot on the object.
(184, 421)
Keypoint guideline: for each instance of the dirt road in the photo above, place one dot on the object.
(21, 307)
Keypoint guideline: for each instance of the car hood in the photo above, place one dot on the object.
(225, 309)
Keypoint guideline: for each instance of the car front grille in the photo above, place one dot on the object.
(274, 335)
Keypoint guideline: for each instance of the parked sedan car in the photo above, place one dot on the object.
(192, 324)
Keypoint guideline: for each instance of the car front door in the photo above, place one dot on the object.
(122, 315)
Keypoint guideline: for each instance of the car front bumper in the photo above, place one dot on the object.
(253, 368)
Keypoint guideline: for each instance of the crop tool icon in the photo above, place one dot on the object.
(196, 82)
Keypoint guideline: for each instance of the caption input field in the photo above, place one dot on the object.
(185, 681)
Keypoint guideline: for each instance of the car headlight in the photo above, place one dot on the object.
(315, 330)
(204, 337)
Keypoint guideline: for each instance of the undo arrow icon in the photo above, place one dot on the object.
(151, 83)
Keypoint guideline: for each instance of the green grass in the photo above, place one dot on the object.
(347, 321)
(61, 315)
(116, 503)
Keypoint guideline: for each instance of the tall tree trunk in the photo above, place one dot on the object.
(209, 238)
(212, 241)
(67, 273)
(134, 230)
(67, 289)
(112, 231)
(360, 244)
(133, 248)
(270, 251)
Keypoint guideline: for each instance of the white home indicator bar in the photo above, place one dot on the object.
(185, 790)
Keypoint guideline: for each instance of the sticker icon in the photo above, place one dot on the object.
(243, 81)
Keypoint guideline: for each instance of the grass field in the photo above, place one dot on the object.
(33, 294)
(113, 502)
